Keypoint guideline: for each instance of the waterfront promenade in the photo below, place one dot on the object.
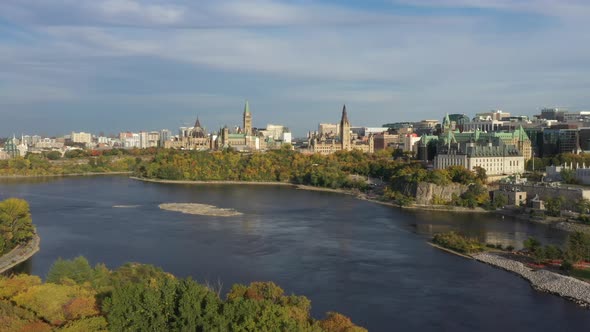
(19, 254)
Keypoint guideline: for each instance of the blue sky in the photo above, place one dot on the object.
(113, 65)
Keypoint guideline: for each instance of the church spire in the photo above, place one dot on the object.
(197, 123)
(344, 114)
(345, 139)
(247, 125)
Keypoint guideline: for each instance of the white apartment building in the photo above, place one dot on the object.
(81, 137)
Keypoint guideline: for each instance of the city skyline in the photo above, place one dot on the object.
(130, 65)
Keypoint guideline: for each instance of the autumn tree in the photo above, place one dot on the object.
(16, 225)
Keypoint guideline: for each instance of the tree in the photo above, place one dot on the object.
(531, 244)
(578, 247)
(144, 306)
(77, 270)
(500, 200)
(539, 255)
(583, 206)
(53, 155)
(553, 252)
(480, 174)
(16, 225)
(568, 176)
(554, 206)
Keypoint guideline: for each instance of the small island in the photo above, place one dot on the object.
(199, 209)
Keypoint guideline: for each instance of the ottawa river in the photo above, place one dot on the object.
(368, 261)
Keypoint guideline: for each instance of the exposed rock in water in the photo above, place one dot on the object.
(199, 209)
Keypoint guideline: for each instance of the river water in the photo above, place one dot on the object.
(370, 262)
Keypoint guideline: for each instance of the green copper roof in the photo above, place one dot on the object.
(446, 121)
(247, 108)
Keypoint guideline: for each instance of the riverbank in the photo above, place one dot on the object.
(560, 223)
(542, 280)
(355, 193)
(572, 227)
(450, 251)
(63, 175)
(19, 254)
(263, 183)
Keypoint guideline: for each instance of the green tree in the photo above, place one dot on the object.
(539, 255)
(500, 200)
(553, 252)
(583, 206)
(531, 244)
(144, 306)
(554, 206)
(480, 174)
(16, 225)
(77, 270)
(568, 176)
(53, 155)
(197, 308)
(578, 247)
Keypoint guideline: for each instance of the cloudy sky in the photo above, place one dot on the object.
(111, 65)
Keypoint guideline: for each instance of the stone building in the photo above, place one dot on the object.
(496, 159)
(544, 191)
(196, 138)
(323, 144)
(513, 197)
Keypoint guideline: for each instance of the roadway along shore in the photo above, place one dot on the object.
(19, 254)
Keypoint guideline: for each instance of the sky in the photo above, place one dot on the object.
(117, 65)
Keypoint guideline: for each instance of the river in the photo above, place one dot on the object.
(370, 262)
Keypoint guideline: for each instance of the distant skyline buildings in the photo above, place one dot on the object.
(321, 127)
(114, 65)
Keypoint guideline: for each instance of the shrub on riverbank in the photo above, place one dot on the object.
(138, 297)
(457, 242)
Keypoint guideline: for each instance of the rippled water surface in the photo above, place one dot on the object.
(368, 261)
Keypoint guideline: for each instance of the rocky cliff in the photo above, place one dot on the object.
(424, 192)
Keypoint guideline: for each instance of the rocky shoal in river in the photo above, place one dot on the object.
(546, 281)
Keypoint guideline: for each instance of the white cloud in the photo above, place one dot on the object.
(130, 9)
(567, 9)
(181, 14)
(297, 52)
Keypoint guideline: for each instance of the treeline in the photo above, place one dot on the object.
(16, 225)
(277, 165)
(558, 160)
(285, 165)
(40, 164)
(576, 250)
(135, 297)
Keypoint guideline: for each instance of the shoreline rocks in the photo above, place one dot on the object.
(542, 280)
(572, 227)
